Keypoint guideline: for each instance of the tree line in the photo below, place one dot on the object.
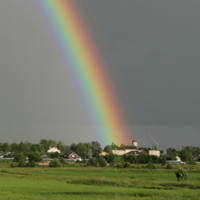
(91, 149)
(85, 150)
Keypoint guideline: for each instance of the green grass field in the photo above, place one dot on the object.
(97, 183)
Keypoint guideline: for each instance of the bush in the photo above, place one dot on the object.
(115, 161)
(192, 162)
(92, 162)
(151, 166)
(55, 163)
(181, 174)
(31, 164)
(13, 165)
(20, 157)
(102, 162)
(127, 164)
(21, 164)
(169, 166)
(35, 157)
(62, 160)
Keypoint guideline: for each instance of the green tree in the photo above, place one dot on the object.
(185, 155)
(129, 158)
(24, 147)
(102, 162)
(108, 149)
(5, 147)
(96, 148)
(20, 157)
(171, 152)
(181, 174)
(14, 148)
(37, 148)
(47, 144)
(35, 157)
(55, 163)
(142, 158)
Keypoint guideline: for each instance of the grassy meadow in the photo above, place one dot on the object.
(95, 183)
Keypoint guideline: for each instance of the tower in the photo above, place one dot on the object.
(134, 143)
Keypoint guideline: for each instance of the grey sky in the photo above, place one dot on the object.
(152, 50)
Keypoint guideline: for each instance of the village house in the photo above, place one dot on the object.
(73, 156)
(53, 150)
(134, 149)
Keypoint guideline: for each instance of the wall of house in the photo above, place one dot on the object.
(154, 152)
(121, 152)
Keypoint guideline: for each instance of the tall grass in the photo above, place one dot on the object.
(97, 183)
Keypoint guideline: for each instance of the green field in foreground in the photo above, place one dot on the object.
(97, 183)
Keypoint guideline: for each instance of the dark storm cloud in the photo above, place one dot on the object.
(152, 50)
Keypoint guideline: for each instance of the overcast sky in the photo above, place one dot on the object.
(152, 49)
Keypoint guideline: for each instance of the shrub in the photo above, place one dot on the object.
(31, 164)
(127, 164)
(55, 163)
(20, 158)
(169, 166)
(21, 164)
(84, 161)
(151, 166)
(102, 162)
(13, 165)
(192, 162)
(35, 157)
(115, 161)
(181, 174)
(92, 162)
(62, 160)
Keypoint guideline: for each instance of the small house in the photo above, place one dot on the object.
(53, 150)
(73, 156)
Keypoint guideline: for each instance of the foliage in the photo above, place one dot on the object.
(46, 144)
(192, 162)
(129, 158)
(150, 166)
(20, 158)
(185, 155)
(108, 149)
(92, 162)
(171, 152)
(10, 155)
(97, 162)
(169, 157)
(181, 174)
(21, 164)
(115, 161)
(35, 157)
(53, 154)
(142, 158)
(169, 166)
(102, 162)
(62, 160)
(5, 147)
(126, 165)
(31, 164)
(55, 163)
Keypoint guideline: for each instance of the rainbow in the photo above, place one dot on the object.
(88, 69)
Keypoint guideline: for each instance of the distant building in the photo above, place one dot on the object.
(73, 156)
(44, 156)
(134, 149)
(53, 150)
(154, 152)
(103, 154)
